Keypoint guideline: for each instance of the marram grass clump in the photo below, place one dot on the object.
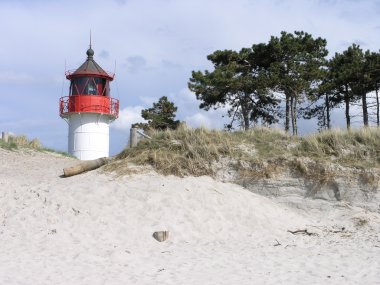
(15, 142)
(181, 152)
(22, 142)
(359, 147)
(195, 152)
(188, 151)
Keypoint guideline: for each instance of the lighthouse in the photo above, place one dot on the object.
(89, 110)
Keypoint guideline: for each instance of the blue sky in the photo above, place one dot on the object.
(152, 45)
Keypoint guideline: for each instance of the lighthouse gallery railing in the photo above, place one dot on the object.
(88, 104)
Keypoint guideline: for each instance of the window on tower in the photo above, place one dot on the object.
(89, 86)
(78, 85)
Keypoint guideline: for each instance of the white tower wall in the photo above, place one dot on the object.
(88, 135)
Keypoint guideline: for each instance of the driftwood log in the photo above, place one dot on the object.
(85, 166)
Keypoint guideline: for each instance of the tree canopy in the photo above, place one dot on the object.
(271, 80)
(160, 117)
(238, 83)
(296, 68)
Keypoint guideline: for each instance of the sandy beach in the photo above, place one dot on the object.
(96, 228)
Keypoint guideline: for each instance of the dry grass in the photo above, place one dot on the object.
(260, 169)
(369, 179)
(351, 148)
(22, 142)
(188, 151)
(15, 142)
(181, 152)
(314, 171)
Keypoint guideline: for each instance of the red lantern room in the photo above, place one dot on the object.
(89, 91)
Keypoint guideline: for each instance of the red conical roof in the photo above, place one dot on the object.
(90, 68)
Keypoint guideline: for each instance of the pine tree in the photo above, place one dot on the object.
(373, 71)
(351, 80)
(296, 62)
(160, 117)
(236, 82)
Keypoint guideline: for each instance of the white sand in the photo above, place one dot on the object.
(97, 229)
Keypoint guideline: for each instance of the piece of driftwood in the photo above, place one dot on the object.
(85, 166)
(302, 232)
(161, 235)
(325, 229)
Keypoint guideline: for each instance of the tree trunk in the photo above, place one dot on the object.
(287, 112)
(295, 128)
(327, 101)
(245, 114)
(323, 125)
(365, 109)
(377, 107)
(246, 122)
(292, 115)
(347, 102)
(244, 110)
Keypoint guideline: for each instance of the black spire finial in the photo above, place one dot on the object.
(90, 52)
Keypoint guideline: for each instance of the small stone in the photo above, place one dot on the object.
(161, 235)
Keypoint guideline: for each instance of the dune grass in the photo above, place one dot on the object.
(359, 147)
(181, 152)
(188, 151)
(15, 142)
(22, 142)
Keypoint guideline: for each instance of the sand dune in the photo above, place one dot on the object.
(97, 228)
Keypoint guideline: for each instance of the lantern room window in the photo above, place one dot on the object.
(89, 86)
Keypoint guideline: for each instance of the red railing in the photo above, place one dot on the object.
(88, 104)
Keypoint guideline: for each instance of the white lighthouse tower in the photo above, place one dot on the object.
(89, 110)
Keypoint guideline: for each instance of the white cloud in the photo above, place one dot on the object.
(199, 120)
(188, 111)
(16, 77)
(212, 119)
(127, 117)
